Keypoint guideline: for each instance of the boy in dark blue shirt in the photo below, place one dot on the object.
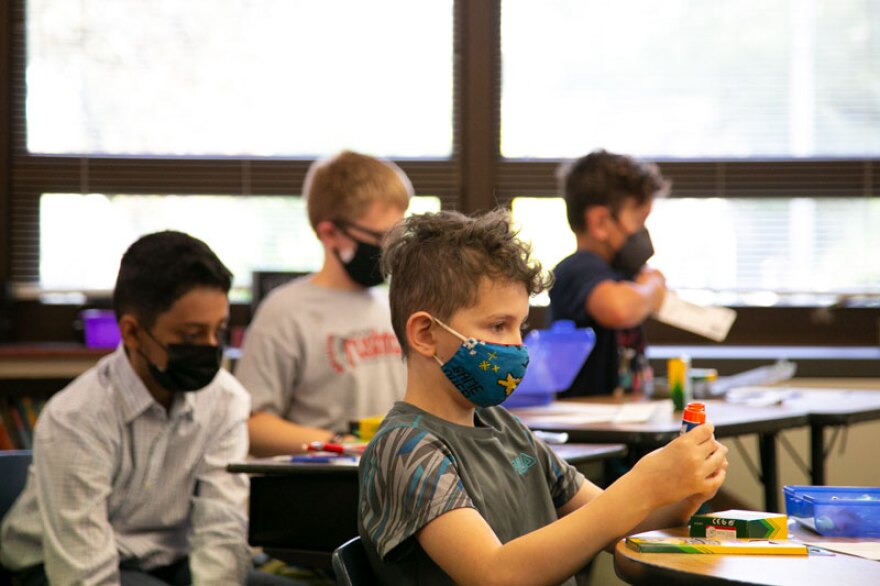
(606, 284)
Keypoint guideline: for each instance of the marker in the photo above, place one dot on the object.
(678, 378)
(322, 458)
(694, 415)
(326, 447)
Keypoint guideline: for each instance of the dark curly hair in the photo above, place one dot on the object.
(608, 179)
(436, 262)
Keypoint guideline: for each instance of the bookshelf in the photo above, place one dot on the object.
(29, 375)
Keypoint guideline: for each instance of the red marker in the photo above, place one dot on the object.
(326, 447)
(694, 415)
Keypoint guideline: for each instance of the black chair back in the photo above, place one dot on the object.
(13, 470)
(350, 564)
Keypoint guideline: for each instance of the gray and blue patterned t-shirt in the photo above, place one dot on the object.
(420, 466)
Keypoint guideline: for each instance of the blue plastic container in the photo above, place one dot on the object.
(841, 511)
(555, 357)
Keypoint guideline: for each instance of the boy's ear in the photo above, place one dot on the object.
(128, 329)
(420, 334)
(326, 231)
(596, 219)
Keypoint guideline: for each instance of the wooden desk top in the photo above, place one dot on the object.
(571, 453)
(675, 568)
(729, 420)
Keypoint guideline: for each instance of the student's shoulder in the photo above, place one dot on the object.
(86, 403)
(500, 418)
(292, 291)
(228, 391)
(406, 432)
(580, 261)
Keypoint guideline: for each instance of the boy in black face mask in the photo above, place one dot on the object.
(606, 284)
(320, 350)
(129, 481)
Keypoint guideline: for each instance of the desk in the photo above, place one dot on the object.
(300, 512)
(812, 361)
(671, 569)
(729, 420)
(832, 403)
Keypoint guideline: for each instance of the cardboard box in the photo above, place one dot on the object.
(735, 524)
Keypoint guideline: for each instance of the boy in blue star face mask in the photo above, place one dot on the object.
(454, 489)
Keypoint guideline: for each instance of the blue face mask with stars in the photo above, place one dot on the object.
(484, 372)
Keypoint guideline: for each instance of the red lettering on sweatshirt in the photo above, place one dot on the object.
(347, 352)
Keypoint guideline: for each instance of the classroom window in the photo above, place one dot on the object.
(237, 77)
(691, 79)
(748, 251)
(248, 234)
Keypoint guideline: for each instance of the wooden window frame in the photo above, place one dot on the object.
(474, 178)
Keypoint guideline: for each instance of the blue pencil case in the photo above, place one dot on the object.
(840, 511)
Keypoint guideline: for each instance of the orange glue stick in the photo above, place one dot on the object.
(694, 415)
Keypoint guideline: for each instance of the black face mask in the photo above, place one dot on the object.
(363, 268)
(634, 253)
(190, 367)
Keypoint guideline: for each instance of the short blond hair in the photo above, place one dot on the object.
(343, 186)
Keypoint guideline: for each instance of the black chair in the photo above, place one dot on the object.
(13, 470)
(350, 564)
(264, 281)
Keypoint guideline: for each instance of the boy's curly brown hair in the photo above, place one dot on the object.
(436, 261)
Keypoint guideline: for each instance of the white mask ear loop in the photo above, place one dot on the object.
(451, 331)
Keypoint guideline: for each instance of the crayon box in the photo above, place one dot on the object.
(734, 524)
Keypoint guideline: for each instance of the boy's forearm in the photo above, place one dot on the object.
(625, 304)
(271, 435)
(674, 515)
(557, 551)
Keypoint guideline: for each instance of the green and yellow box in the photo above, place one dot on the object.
(735, 524)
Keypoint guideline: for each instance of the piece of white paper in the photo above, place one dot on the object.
(568, 413)
(710, 322)
(863, 549)
(573, 413)
(635, 412)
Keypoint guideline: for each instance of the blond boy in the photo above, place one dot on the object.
(454, 489)
(320, 350)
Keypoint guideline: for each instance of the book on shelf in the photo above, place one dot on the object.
(18, 418)
(6, 442)
(21, 429)
(29, 411)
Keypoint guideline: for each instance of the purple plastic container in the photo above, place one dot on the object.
(100, 329)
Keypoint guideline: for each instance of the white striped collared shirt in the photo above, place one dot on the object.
(117, 479)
